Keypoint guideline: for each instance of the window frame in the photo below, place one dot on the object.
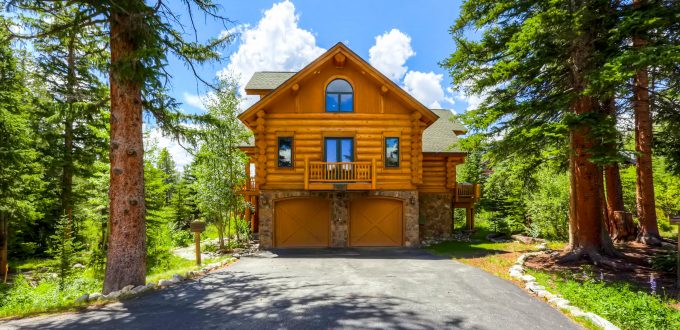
(338, 96)
(398, 152)
(292, 151)
(338, 150)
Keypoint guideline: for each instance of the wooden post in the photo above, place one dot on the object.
(197, 241)
(197, 227)
(373, 174)
(306, 172)
(470, 218)
(248, 185)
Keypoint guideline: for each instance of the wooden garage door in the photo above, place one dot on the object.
(302, 222)
(376, 222)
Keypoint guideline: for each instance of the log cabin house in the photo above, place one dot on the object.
(343, 157)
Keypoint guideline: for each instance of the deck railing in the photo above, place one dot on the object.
(468, 191)
(340, 172)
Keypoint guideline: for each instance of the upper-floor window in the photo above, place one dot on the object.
(339, 96)
(391, 152)
(285, 152)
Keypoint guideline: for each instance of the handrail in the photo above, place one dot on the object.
(339, 172)
(468, 190)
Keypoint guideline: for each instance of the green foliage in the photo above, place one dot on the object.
(220, 165)
(548, 205)
(620, 303)
(63, 248)
(23, 298)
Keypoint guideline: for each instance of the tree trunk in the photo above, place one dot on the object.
(587, 234)
(646, 209)
(4, 239)
(126, 254)
(586, 218)
(67, 166)
(619, 222)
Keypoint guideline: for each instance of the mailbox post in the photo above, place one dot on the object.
(675, 220)
(197, 227)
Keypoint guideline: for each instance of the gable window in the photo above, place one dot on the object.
(286, 152)
(339, 96)
(391, 152)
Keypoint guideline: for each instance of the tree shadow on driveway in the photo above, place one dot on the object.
(239, 300)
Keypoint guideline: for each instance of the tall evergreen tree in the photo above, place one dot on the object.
(140, 36)
(533, 62)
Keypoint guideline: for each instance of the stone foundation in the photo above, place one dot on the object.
(340, 201)
(436, 215)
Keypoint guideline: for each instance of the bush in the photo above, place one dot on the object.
(548, 206)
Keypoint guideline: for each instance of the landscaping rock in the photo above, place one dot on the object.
(527, 239)
(176, 278)
(165, 283)
(528, 278)
(113, 295)
(127, 288)
(79, 266)
(139, 289)
(94, 296)
(601, 322)
(83, 298)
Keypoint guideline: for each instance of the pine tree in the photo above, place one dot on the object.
(140, 36)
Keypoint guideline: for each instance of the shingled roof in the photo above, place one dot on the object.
(268, 80)
(441, 135)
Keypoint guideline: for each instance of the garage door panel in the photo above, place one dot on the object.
(376, 222)
(302, 222)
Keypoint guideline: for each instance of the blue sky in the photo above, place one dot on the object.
(421, 25)
(406, 40)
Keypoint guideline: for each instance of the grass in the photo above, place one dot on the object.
(494, 258)
(620, 303)
(41, 293)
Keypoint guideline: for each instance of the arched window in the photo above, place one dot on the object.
(339, 96)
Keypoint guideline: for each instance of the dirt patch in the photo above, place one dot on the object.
(641, 274)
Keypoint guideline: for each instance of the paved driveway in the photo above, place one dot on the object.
(323, 289)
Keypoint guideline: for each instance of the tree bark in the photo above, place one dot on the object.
(126, 254)
(586, 218)
(4, 239)
(587, 234)
(619, 222)
(646, 208)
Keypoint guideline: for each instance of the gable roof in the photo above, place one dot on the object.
(268, 80)
(441, 136)
(428, 116)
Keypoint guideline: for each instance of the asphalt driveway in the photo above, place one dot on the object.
(324, 289)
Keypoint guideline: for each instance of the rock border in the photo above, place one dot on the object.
(131, 290)
(517, 272)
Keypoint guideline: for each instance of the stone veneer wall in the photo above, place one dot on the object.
(435, 215)
(340, 201)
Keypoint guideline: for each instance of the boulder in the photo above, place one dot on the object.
(165, 283)
(176, 278)
(139, 289)
(94, 296)
(528, 278)
(79, 266)
(527, 239)
(82, 299)
(127, 288)
(113, 295)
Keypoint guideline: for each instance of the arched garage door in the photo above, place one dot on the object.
(302, 222)
(376, 221)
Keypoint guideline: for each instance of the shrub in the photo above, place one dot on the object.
(548, 206)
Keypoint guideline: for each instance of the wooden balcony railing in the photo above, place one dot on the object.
(340, 172)
(468, 191)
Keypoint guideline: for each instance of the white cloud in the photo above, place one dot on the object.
(196, 101)
(390, 52)
(156, 138)
(473, 100)
(276, 43)
(426, 87)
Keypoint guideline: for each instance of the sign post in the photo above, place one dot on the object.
(675, 220)
(197, 227)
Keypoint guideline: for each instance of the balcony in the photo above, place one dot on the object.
(467, 193)
(340, 175)
(250, 187)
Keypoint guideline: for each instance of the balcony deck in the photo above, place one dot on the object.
(340, 175)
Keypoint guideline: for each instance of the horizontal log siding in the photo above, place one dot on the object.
(309, 132)
(439, 173)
